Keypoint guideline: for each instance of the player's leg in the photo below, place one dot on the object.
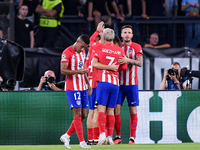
(90, 120)
(120, 100)
(102, 98)
(94, 121)
(110, 118)
(133, 102)
(95, 127)
(118, 139)
(89, 126)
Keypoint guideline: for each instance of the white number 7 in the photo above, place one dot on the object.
(111, 60)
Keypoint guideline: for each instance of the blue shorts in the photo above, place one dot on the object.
(107, 94)
(92, 99)
(130, 92)
(77, 99)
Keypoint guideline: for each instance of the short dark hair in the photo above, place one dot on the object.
(127, 26)
(85, 38)
(155, 34)
(117, 40)
(176, 63)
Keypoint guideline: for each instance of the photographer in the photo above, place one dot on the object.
(47, 82)
(172, 79)
(9, 85)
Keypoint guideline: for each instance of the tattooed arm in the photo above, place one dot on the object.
(138, 62)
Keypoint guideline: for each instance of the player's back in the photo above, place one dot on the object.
(108, 54)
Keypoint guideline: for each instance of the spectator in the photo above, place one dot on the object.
(4, 20)
(156, 8)
(32, 4)
(190, 6)
(172, 79)
(51, 12)
(137, 8)
(47, 82)
(96, 8)
(24, 34)
(1, 33)
(112, 9)
(133, 7)
(171, 8)
(72, 8)
(153, 42)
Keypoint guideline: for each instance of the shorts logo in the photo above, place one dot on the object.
(78, 102)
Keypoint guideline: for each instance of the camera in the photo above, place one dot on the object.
(10, 84)
(172, 71)
(50, 79)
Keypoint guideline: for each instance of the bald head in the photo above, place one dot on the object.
(50, 73)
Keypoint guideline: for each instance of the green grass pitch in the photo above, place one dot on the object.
(182, 146)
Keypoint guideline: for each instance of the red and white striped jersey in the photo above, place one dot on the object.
(130, 76)
(92, 73)
(108, 54)
(76, 60)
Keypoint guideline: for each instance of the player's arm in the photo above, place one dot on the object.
(65, 71)
(138, 62)
(88, 84)
(112, 67)
(100, 28)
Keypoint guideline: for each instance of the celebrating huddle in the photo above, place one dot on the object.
(104, 80)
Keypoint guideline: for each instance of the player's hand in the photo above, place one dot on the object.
(82, 71)
(123, 60)
(89, 91)
(100, 26)
(114, 67)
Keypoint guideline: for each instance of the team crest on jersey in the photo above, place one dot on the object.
(80, 65)
(83, 54)
(78, 102)
(64, 57)
(130, 50)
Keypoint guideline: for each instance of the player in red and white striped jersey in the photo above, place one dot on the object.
(92, 125)
(128, 83)
(106, 60)
(72, 65)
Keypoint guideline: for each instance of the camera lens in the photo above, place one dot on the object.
(171, 72)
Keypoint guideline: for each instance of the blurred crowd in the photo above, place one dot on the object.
(34, 26)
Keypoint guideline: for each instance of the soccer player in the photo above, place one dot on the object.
(106, 61)
(128, 83)
(72, 65)
(92, 125)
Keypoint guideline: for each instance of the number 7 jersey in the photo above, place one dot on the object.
(108, 54)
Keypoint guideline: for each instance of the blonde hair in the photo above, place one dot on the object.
(108, 34)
